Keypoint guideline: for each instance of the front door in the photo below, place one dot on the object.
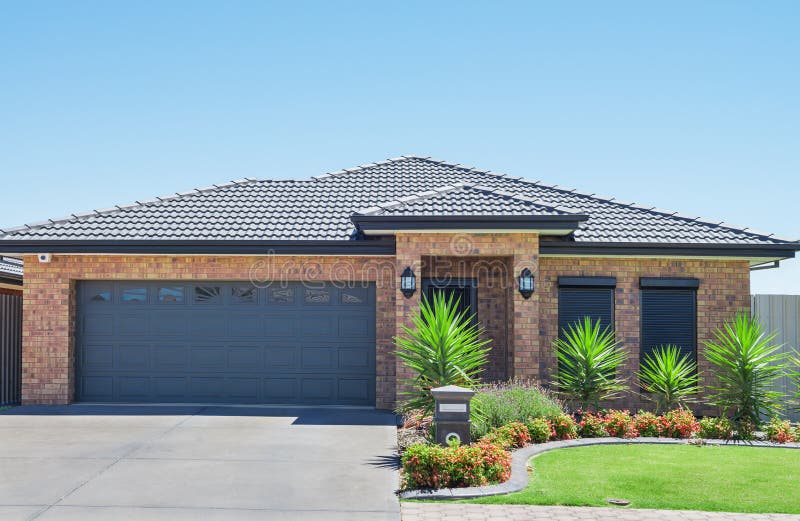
(464, 291)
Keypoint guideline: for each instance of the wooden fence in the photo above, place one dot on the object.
(781, 313)
(10, 349)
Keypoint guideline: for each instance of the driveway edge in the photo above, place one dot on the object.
(519, 464)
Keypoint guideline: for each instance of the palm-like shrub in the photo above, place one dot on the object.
(588, 360)
(746, 365)
(669, 378)
(794, 376)
(442, 348)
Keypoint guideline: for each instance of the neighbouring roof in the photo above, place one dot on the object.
(10, 268)
(321, 208)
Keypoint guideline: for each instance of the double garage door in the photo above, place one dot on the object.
(225, 342)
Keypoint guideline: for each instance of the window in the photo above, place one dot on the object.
(134, 295)
(244, 294)
(580, 297)
(463, 290)
(98, 293)
(170, 295)
(669, 314)
(207, 295)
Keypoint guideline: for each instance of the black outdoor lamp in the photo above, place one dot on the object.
(408, 282)
(526, 283)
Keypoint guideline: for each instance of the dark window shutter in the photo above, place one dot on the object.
(669, 316)
(575, 303)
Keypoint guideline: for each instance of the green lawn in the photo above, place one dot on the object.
(733, 479)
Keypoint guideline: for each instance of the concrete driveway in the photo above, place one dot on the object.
(148, 462)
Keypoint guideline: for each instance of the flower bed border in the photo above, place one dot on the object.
(519, 464)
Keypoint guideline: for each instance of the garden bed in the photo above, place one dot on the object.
(519, 475)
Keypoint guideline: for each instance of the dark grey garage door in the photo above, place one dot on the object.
(225, 342)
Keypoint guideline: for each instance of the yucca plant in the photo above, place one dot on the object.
(794, 376)
(588, 360)
(746, 365)
(669, 377)
(443, 347)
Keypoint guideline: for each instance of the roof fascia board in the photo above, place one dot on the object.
(367, 223)
(783, 251)
(288, 247)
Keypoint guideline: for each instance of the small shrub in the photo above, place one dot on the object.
(589, 359)
(678, 423)
(592, 426)
(510, 435)
(539, 429)
(498, 404)
(647, 424)
(744, 430)
(712, 428)
(619, 424)
(746, 364)
(433, 466)
(780, 431)
(669, 377)
(442, 348)
(564, 427)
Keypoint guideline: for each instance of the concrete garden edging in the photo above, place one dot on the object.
(519, 464)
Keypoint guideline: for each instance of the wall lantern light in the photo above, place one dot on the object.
(408, 282)
(526, 283)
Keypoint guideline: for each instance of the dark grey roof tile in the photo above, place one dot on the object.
(321, 207)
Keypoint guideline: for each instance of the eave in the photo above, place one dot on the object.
(755, 253)
(544, 224)
(202, 247)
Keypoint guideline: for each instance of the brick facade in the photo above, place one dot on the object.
(516, 251)
(724, 289)
(48, 349)
(522, 330)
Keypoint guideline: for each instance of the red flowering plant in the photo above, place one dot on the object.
(619, 424)
(647, 424)
(712, 428)
(591, 426)
(678, 423)
(433, 466)
(564, 427)
(780, 431)
(511, 435)
(540, 429)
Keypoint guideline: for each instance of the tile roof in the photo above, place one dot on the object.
(320, 209)
(11, 268)
(461, 199)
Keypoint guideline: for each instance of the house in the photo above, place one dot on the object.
(289, 291)
(10, 276)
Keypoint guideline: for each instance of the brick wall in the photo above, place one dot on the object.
(522, 330)
(48, 350)
(518, 250)
(492, 277)
(724, 289)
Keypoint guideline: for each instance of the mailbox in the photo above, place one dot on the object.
(451, 416)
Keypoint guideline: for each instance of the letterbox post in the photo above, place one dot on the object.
(451, 417)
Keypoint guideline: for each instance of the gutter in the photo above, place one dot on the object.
(188, 247)
(780, 250)
(368, 223)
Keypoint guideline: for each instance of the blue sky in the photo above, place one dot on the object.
(691, 106)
